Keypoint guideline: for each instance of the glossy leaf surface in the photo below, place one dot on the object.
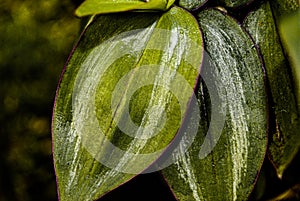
(122, 98)
(91, 7)
(233, 74)
(285, 138)
(191, 4)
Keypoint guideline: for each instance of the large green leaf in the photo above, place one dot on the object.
(285, 138)
(91, 7)
(122, 98)
(235, 90)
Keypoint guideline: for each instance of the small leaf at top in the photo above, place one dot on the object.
(92, 7)
(122, 98)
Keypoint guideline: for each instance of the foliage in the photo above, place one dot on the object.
(35, 38)
(116, 84)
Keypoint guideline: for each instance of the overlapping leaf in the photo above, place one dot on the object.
(234, 76)
(122, 98)
(285, 138)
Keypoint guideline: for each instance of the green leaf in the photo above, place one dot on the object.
(92, 7)
(285, 139)
(191, 4)
(234, 3)
(235, 89)
(290, 32)
(286, 14)
(122, 98)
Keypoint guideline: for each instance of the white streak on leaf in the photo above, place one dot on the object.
(187, 174)
(232, 82)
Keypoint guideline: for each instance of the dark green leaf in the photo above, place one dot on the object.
(235, 90)
(191, 4)
(285, 138)
(122, 98)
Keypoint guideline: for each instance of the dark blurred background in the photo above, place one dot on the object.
(36, 37)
